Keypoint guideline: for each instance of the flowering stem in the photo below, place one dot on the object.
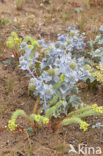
(77, 112)
(87, 113)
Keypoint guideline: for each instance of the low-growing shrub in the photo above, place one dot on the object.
(14, 44)
(54, 69)
(74, 117)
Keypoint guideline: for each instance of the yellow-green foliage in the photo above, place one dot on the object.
(55, 99)
(33, 117)
(33, 43)
(39, 119)
(76, 116)
(57, 85)
(11, 124)
(98, 74)
(83, 125)
(51, 111)
(62, 77)
(73, 117)
(51, 103)
(14, 41)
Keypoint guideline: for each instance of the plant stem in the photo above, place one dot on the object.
(36, 105)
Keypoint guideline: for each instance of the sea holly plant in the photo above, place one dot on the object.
(96, 53)
(96, 47)
(54, 69)
(58, 69)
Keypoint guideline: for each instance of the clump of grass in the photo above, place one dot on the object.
(47, 1)
(66, 16)
(19, 4)
(81, 22)
(3, 21)
(9, 86)
(88, 4)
